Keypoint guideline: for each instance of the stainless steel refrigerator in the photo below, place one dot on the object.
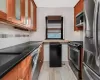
(91, 68)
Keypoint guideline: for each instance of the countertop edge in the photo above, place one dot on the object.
(14, 62)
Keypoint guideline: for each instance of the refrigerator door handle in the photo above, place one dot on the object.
(96, 13)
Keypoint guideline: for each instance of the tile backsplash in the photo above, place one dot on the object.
(10, 36)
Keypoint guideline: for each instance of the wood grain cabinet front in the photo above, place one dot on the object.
(41, 57)
(23, 67)
(20, 72)
(18, 11)
(33, 15)
(12, 75)
(77, 9)
(3, 9)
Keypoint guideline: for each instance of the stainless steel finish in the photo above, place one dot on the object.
(89, 60)
(95, 28)
(78, 56)
(35, 69)
(89, 12)
(88, 74)
(92, 40)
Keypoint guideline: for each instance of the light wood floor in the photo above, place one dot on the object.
(63, 73)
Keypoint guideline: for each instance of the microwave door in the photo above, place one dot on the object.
(89, 12)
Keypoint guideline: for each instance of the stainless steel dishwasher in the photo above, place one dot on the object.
(35, 66)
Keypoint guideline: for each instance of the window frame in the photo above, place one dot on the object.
(61, 30)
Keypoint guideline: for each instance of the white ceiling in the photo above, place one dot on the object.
(56, 3)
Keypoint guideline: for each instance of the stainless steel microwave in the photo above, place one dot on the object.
(79, 19)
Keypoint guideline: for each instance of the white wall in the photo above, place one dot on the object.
(67, 13)
(46, 52)
(69, 33)
(10, 39)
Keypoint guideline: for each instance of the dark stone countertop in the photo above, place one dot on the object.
(11, 56)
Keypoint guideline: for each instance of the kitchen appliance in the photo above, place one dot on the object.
(79, 19)
(35, 66)
(91, 68)
(55, 55)
(75, 57)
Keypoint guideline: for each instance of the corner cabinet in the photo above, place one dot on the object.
(77, 9)
(19, 13)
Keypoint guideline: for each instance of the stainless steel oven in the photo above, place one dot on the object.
(74, 56)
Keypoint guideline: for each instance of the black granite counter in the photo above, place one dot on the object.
(11, 56)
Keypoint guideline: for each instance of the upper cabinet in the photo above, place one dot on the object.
(78, 9)
(20, 13)
(26, 17)
(33, 12)
(3, 9)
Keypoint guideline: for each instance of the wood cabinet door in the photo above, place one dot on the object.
(33, 15)
(12, 75)
(23, 67)
(77, 9)
(30, 70)
(41, 56)
(20, 72)
(28, 75)
(17, 11)
(27, 15)
(3, 9)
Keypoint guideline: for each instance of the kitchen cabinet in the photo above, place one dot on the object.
(3, 9)
(28, 76)
(77, 9)
(23, 67)
(12, 75)
(41, 56)
(20, 72)
(32, 15)
(26, 17)
(19, 13)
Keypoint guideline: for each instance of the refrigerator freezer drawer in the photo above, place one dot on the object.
(88, 74)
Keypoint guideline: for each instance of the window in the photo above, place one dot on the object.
(54, 27)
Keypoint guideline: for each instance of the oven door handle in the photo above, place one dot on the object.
(89, 76)
(75, 49)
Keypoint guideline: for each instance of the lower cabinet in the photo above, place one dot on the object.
(28, 76)
(20, 72)
(23, 70)
(41, 57)
(12, 75)
(23, 67)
